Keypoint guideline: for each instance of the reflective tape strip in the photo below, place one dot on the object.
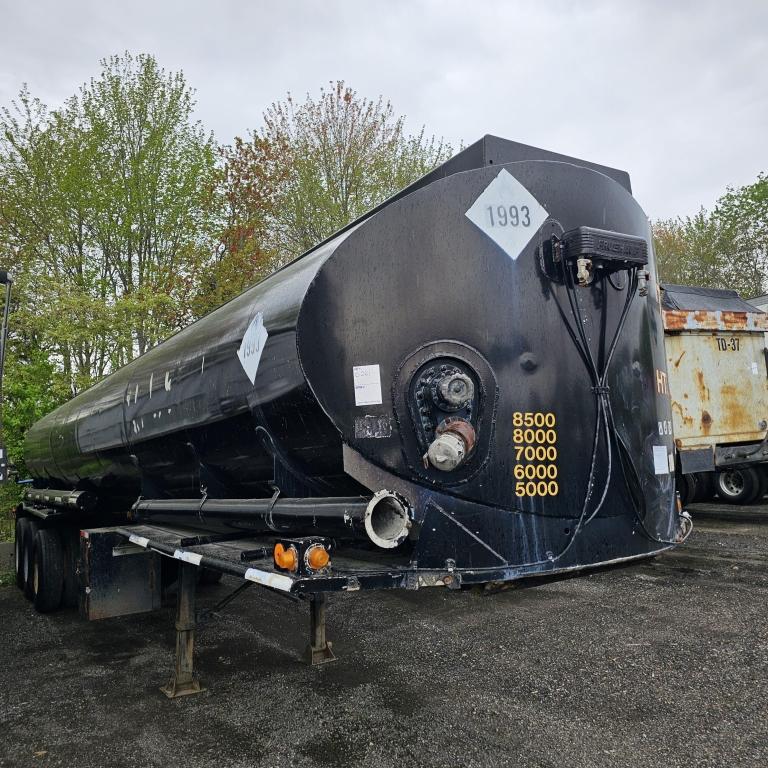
(274, 580)
(188, 557)
(138, 540)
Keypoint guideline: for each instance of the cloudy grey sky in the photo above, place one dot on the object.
(674, 92)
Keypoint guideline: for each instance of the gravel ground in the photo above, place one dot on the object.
(657, 664)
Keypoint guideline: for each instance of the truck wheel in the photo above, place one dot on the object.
(737, 486)
(686, 487)
(47, 570)
(27, 551)
(20, 540)
(71, 539)
(762, 474)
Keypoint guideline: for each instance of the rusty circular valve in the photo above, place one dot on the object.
(455, 390)
(455, 439)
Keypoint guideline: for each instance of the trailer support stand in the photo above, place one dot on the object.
(319, 649)
(183, 681)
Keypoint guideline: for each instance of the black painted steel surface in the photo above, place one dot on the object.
(412, 287)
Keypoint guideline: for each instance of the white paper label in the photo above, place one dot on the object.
(660, 461)
(754, 368)
(252, 346)
(508, 213)
(671, 462)
(367, 379)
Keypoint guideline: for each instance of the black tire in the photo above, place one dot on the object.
(738, 486)
(71, 539)
(705, 486)
(21, 535)
(762, 474)
(47, 570)
(686, 487)
(207, 576)
(27, 553)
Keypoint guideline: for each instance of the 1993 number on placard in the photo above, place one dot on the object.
(509, 216)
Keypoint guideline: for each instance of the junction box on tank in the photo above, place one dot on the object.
(461, 384)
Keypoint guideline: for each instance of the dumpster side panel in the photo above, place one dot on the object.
(718, 385)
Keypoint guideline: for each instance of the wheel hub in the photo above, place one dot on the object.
(733, 483)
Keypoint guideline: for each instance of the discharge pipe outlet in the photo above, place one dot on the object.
(386, 520)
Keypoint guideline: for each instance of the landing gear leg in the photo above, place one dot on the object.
(183, 681)
(319, 649)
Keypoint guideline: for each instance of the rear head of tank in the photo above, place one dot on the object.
(433, 340)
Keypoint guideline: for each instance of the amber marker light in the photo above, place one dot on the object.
(317, 557)
(286, 557)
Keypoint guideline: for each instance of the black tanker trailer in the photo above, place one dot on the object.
(465, 385)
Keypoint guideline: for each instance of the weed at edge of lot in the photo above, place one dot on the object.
(7, 578)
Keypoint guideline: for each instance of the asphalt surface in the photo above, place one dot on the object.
(657, 664)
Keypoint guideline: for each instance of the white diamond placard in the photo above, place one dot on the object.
(252, 346)
(508, 213)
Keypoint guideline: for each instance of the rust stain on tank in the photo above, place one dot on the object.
(677, 362)
(706, 422)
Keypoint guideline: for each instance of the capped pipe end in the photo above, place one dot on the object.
(387, 520)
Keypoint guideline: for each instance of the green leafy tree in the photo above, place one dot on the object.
(308, 171)
(727, 248)
(687, 251)
(107, 215)
(152, 174)
(248, 177)
(107, 205)
(742, 220)
(345, 154)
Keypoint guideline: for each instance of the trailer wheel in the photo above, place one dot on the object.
(686, 487)
(705, 486)
(47, 570)
(20, 541)
(762, 474)
(737, 486)
(71, 540)
(27, 552)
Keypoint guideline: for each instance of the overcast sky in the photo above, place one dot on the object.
(674, 92)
